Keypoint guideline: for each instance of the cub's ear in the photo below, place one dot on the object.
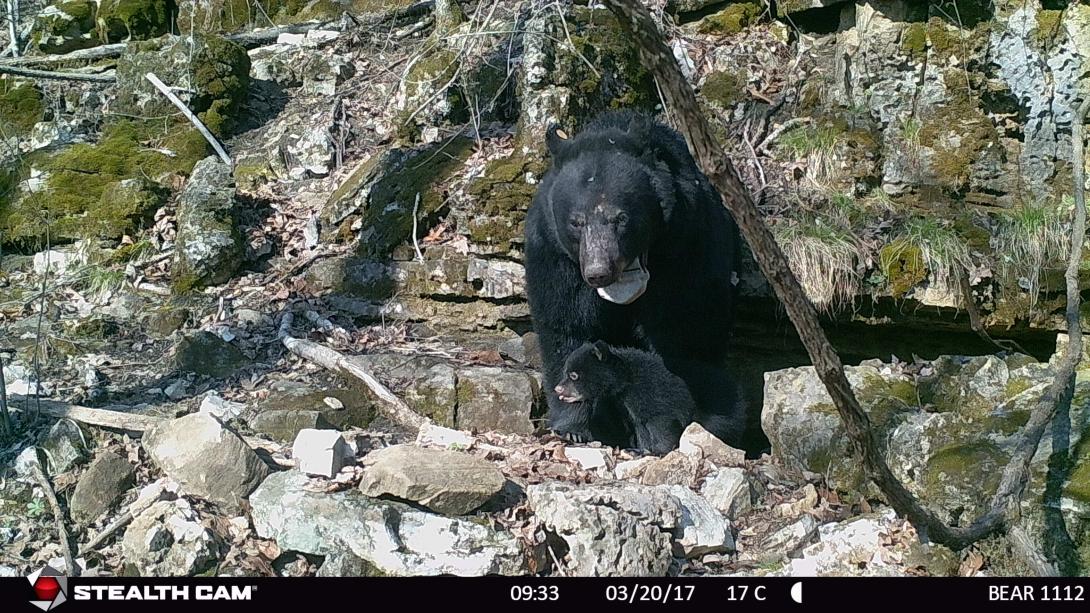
(557, 140)
(601, 350)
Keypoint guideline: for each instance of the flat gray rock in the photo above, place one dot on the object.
(447, 482)
(391, 536)
(106, 479)
(207, 459)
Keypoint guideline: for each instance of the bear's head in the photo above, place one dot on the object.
(592, 371)
(609, 200)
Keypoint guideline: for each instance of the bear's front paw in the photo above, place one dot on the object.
(575, 436)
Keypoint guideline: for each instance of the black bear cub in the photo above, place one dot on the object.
(656, 403)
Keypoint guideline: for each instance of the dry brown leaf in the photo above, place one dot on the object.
(971, 564)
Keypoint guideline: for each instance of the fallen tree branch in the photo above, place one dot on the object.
(711, 158)
(390, 405)
(57, 75)
(159, 85)
(134, 423)
(120, 522)
(94, 54)
(29, 458)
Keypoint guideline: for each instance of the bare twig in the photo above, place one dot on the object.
(120, 522)
(190, 116)
(719, 169)
(6, 427)
(134, 423)
(392, 406)
(57, 75)
(416, 241)
(30, 459)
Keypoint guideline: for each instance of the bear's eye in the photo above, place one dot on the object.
(620, 219)
(578, 221)
(574, 376)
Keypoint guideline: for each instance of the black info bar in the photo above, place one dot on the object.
(309, 595)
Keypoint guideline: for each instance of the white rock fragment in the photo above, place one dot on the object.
(432, 435)
(699, 443)
(319, 452)
(727, 489)
(589, 458)
(702, 529)
(221, 408)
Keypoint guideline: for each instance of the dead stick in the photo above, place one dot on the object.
(330, 359)
(190, 116)
(57, 75)
(135, 423)
(120, 522)
(58, 514)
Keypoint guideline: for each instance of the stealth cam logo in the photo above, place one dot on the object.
(50, 586)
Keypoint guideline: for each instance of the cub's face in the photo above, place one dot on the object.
(605, 212)
(590, 372)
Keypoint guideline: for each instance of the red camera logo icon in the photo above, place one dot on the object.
(50, 586)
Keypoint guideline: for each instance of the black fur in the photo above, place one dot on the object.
(655, 404)
(674, 216)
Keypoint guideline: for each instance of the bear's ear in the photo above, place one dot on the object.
(557, 141)
(601, 350)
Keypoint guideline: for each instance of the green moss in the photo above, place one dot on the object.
(222, 80)
(973, 467)
(21, 107)
(120, 20)
(428, 75)
(959, 133)
(502, 197)
(618, 78)
(723, 88)
(914, 40)
(730, 20)
(1007, 422)
(903, 265)
(67, 30)
(1078, 483)
(102, 190)
(387, 214)
(227, 16)
(1048, 28)
(1016, 386)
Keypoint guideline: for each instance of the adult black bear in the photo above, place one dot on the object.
(627, 242)
(656, 405)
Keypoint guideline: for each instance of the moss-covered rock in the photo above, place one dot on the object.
(209, 246)
(961, 137)
(731, 20)
(603, 69)
(724, 88)
(216, 69)
(65, 26)
(98, 190)
(501, 198)
(122, 20)
(225, 16)
(21, 106)
(903, 265)
(380, 195)
(206, 354)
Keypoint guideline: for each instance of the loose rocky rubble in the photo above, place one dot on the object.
(383, 210)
